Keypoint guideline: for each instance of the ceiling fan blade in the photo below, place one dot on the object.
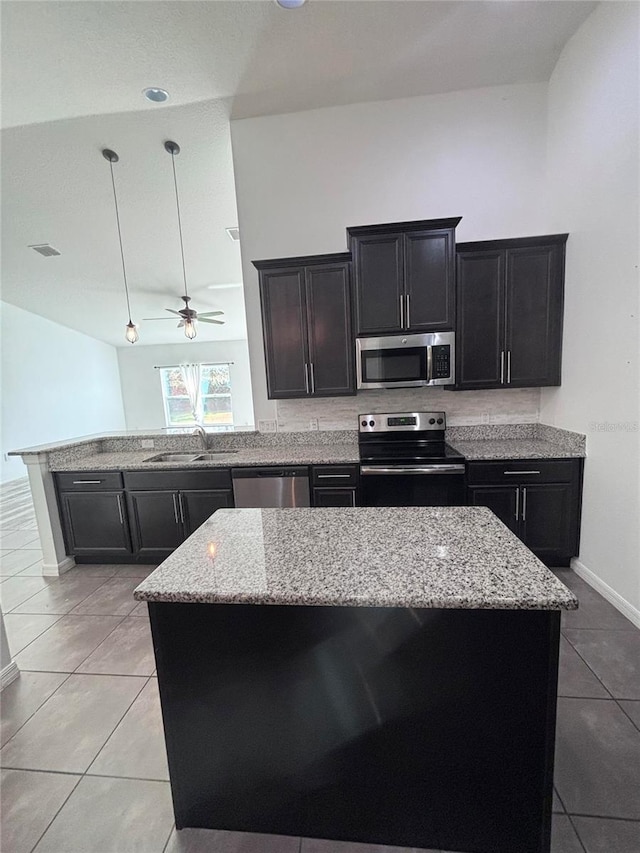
(173, 312)
(206, 320)
(157, 318)
(209, 313)
(180, 324)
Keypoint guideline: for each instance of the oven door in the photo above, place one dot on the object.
(412, 485)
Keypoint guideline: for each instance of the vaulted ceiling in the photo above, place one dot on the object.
(72, 76)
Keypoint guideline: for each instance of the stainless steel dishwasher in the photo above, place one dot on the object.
(271, 487)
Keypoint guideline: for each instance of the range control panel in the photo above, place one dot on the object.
(402, 422)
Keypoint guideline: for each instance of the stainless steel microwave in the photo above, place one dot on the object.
(406, 361)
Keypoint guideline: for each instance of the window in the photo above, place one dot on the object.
(215, 404)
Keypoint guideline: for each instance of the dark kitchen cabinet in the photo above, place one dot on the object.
(95, 523)
(404, 276)
(539, 500)
(335, 485)
(198, 505)
(510, 297)
(155, 522)
(306, 320)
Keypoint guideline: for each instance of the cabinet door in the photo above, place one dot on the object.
(378, 277)
(95, 522)
(197, 506)
(480, 329)
(284, 329)
(534, 304)
(550, 522)
(334, 497)
(429, 276)
(328, 300)
(155, 522)
(502, 500)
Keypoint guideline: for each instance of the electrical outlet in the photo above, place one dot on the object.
(486, 418)
(313, 424)
(267, 426)
(147, 443)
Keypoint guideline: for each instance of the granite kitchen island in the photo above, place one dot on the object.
(378, 675)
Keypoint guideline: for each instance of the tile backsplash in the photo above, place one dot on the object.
(513, 405)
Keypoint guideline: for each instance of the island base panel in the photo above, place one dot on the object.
(411, 727)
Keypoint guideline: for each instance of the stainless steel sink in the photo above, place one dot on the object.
(173, 457)
(212, 454)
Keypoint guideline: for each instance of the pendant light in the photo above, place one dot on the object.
(190, 329)
(131, 332)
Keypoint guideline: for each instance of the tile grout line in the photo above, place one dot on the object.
(66, 800)
(573, 826)
(60, 616)
(64, 680)
(618, 701)
(595, 674)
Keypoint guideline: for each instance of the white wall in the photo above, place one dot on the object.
(302, 178)
(594, 183)
(141, 391)
(56, 384)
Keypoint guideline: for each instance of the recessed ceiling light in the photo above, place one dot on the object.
(155, 95)
(44, 249)
(234, 233)
(290, 4)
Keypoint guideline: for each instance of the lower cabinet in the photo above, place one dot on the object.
(335, 485)
(146, 519)
(95, 523)
(542, 506)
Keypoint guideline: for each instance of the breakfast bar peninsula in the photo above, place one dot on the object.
(377, 675)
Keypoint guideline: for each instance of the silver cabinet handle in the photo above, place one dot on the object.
(524, 504)
(412, 469)
(408, 320)
(181, 505)
(86, 482)
(332, 476)
(306, 377)
(312, 374)
(175, 508)
(120, 513)
(517, 503)
(353, 498)
(401, 312)
(520, 472)
(502, 367)
(508, 367)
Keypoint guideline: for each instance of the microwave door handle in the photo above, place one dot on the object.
(429, 363)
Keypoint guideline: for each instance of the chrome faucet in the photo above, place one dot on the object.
(204, 438)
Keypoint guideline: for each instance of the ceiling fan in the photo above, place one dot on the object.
(188, 316)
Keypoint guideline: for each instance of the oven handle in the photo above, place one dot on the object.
(412, 469)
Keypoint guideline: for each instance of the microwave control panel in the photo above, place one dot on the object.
(441, 356)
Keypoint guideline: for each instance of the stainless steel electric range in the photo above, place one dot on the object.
(405, 461)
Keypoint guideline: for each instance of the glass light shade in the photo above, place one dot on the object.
(132, 332)
(190, 329)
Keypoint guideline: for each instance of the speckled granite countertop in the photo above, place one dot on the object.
(441, 557)
(310, 454)
(514, 448)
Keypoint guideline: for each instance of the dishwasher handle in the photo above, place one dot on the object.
(246, 473)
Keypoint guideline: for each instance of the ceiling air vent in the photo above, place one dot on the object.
(45, 250)
(234, 233)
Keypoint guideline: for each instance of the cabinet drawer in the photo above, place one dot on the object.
(215, 478)
(515, 471)
(335, 475)
(89, 481)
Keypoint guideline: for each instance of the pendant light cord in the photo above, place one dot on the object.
(124, 268)
(175, 184)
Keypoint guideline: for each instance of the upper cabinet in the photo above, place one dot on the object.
(306, 319)
(404, 276)
(509, 312)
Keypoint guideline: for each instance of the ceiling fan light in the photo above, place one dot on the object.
(190, 330)
(131, 333)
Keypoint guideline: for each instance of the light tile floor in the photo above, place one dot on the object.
(83, 761)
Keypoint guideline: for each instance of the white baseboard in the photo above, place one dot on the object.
(8, 674)
(620, 603)
(52, 570)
